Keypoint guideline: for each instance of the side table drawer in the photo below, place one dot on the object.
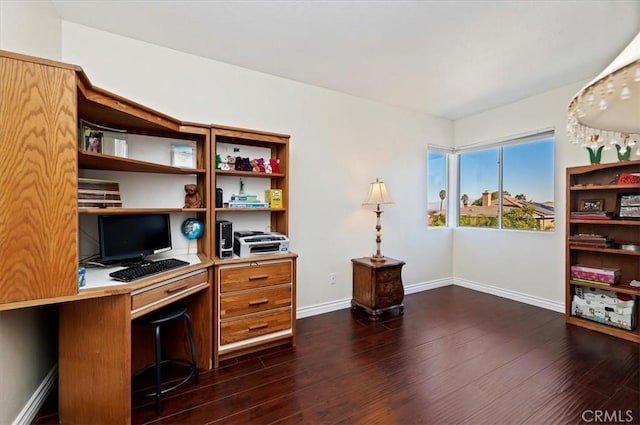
(255, 325)
(172, 289)
(388, 275)
(253, 301)
(256, 276)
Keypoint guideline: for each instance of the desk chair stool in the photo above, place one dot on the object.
(157, 319)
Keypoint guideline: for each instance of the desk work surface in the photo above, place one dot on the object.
(98, 277)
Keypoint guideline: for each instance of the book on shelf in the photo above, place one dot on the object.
(243, 197)
(248, 204)
(590, 240)
(591, 215)
(595, 282)
(607, 275)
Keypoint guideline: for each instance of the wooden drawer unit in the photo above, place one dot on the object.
(155, 296)
(254, 301)
(254, 276)
(247, 327)
(255, 306)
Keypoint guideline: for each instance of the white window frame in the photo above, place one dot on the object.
(514, 140)
(449, 211)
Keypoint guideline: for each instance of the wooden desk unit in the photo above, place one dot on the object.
(99, 350)
(377, 286)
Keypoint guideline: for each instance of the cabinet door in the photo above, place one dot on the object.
(38, 181)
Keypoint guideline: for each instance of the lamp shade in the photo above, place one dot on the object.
(378, 194)
(610, 102)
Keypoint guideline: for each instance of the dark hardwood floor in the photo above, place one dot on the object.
(456, 357)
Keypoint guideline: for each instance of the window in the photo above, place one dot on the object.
(437, 188)
(510, 186)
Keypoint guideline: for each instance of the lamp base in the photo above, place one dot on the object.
(378, 258)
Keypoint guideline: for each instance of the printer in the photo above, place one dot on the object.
(251, 243)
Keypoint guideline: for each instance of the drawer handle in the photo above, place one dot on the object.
(177, 288)
(258, 302)
(260, 276)
(260, 326)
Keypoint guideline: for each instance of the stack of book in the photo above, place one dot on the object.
(246, 201)
(591, 215)
(605, 276)
(590, 240)
(94, 193)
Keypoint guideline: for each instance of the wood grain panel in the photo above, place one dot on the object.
(254, 276)
(253, 301)
(255, 325)
(38, 182)
(95, 341)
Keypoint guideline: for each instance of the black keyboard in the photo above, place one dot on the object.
(147, 269)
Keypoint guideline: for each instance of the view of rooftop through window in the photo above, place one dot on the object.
(510, 186)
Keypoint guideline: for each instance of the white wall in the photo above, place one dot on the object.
(27, 337)
(31, 28)
(530, 263)
(339, 144)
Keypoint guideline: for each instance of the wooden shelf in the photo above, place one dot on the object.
(247, 174)
(98, 161)
(633, 335)
(249, 209)
(595, 182)
(106, 211)
(605, 187)
(623, 289)
(606, 250)
(606, 222)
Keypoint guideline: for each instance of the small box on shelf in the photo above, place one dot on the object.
(183, 156)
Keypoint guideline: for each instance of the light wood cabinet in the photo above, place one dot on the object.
(38, 183)
(598, 186)
(256, 304)
(255, 297)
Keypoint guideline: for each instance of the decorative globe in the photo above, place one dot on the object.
(192, 228)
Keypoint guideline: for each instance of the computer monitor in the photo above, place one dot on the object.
(131, 237)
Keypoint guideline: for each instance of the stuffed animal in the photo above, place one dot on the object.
(232, 162)
(238, 163)
(218, 161)
(224, 163)
(192, 198)
(267, 167)
(246, 164)
(275, 167)
(260, 162)
(254, 166)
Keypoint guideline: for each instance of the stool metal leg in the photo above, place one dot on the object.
(158, 344)
(194, 360)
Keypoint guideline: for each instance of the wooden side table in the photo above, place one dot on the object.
(377, 286)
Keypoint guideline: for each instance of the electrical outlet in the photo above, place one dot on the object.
(332, 278)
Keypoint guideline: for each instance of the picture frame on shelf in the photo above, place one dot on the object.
(591, 205)
(629, 206)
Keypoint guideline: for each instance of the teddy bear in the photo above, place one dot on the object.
(260, 162)
(267, 167)
(218, 161)
(224, 163)
(246, 164)
(231, 162)
(238, 163)
(192, 198)
(254, 166)
(275, 167)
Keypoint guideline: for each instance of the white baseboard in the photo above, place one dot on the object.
(30, 410)
(321, 308)
(328, 307)
(425, 286)
(512, 295)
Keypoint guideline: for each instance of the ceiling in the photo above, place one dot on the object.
(445, 58)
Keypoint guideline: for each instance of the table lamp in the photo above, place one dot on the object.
(377, 196)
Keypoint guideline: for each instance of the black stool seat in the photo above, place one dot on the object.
(157, 319)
